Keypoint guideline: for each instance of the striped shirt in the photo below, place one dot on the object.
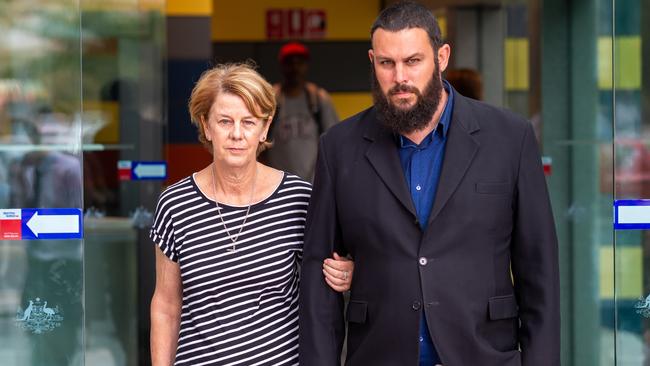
(239, 307)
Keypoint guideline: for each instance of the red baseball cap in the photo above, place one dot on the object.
(293, 49)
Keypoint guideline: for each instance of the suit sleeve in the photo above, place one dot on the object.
(321, 308)
(535, 261)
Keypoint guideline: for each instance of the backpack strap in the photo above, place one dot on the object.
(312, 92)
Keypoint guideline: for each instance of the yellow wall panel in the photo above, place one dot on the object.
(604, 63)
(123, 5)
(109, 5)
(606, 273)
(346, 20)
(152, 5)
(109, 112)
(350, 103)
(442, 23)
(628, 62)
(516, 64)
(190, 7)
(629, 279)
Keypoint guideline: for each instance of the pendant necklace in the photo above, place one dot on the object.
(233, 249)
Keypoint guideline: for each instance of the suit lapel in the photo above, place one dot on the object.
(383, 156)
(460, 150)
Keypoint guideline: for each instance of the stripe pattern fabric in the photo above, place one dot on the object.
(239, 307)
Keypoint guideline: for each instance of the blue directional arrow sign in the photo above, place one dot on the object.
(52, 223)
(148, 170)
(632, 214)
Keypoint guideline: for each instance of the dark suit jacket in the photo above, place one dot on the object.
(491, 215)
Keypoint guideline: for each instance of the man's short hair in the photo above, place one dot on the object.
(409, 14)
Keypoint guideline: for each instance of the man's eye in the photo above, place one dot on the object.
(413, 61)
(386, 62)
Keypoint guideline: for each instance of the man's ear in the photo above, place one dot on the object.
(371, 56)
(444, 53)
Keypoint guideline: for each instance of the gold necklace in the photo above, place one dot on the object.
(248, 209)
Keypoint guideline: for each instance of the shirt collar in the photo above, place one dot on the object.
(445, 121)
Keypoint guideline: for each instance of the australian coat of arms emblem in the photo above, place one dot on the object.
(38, 317)
(643, 306)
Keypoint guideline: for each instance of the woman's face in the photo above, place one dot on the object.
(235, 133)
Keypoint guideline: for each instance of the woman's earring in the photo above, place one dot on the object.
(263, 138)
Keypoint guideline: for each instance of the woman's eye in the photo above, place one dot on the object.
(249, 122)
(224, 121)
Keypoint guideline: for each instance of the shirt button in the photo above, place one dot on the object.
(416, 305)
(418, 187)
(423, 261)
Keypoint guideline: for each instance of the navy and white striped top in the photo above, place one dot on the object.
(241, 307)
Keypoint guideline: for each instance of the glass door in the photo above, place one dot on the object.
(41, 184)
(123, 89)
(82, 86)
(630, 84)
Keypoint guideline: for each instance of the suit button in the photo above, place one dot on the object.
(423, 261)
(416, 305)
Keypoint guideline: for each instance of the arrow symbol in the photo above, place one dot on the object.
(53, 224)
(150, 170)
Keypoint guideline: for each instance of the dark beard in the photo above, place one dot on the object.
(416, 118)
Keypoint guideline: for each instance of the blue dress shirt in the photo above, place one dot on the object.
(422, 165)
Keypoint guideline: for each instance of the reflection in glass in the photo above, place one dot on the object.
(41, 285)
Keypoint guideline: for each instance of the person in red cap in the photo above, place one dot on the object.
(304, 112)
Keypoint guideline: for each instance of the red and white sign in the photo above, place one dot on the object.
(124, 170)
(10, 224)
(274, 24)
(295, 23)
(315, 24)
(547, 162)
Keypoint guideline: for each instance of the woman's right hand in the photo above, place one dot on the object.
(338, 272)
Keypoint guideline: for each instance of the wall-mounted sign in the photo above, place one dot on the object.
(295, 23)
(141, 170)
(632, 214)
(547, 163)
(41, 223)
(10, 224)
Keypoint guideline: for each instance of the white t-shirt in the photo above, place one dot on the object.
(295, 137)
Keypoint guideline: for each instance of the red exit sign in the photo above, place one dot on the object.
(295, 23)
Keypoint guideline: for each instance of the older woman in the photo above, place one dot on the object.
(230, 238)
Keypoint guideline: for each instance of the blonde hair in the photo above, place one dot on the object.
(238, 79)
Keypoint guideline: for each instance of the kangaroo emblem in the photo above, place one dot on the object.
(643, 306)
(38, 318)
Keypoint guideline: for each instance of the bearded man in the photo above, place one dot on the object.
(442, 202)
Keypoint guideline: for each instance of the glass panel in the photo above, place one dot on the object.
(632, 181)
(548, 60)
(41, 280)
(123, 89)
(577, 137)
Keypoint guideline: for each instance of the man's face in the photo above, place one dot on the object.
(403, 61)
(407, 77)
(294, 69)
